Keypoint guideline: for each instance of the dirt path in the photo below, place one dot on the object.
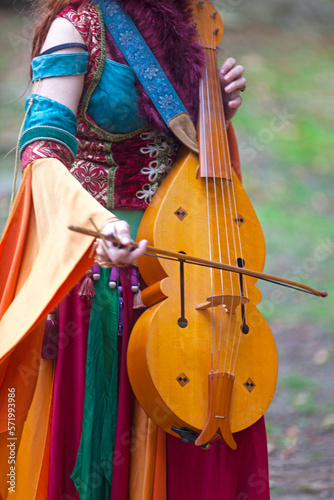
(300, 420)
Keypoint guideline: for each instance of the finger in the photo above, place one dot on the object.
(128, 255)
(121, 257)
(122, 231)
(102, 246)
(236, 85)
(233, 95)
(106, 247)
(235, 103)
(122, 253)
(234, 74)
(104, 251)
(138, 252)
(227, 66)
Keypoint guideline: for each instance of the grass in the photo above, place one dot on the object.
(295, 382)
(14, 78)
(301, 392)
(289, 176)
(286, 132)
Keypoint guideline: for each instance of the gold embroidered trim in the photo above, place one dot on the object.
(96, 78)
(111, 187)
(109, 155)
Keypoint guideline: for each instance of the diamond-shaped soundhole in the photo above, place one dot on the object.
(249, 384)
(182, 379)
(181, 213)
(239, 220)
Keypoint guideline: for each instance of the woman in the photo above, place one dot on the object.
(84, 88)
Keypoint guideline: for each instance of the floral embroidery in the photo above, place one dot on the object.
(163, 149)
(111, 9)
(146, 136)
(166, 101)
(118, 170)
(151, 71)
(147, 192)
(141, 59)
(126, 37)
(155, 168)
(93, 178)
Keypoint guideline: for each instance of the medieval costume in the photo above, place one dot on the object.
(81, 433)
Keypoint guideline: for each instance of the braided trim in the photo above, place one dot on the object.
(89, 92)
(56, 134)
(111, 187)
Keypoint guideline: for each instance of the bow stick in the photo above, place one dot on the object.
(155, 252)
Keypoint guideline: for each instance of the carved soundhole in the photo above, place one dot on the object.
(182, 379)
(249, 384)
(181, 213)
(239, 220)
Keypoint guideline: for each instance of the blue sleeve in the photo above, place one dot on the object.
(50, 120)
(46, 66)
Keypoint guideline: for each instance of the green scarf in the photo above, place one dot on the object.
(93, 470)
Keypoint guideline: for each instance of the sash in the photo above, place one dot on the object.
(149, 72)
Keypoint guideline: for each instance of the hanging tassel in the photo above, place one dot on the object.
(137, 302)
(113, 278)
(96, 272)
(87, 289)
(51, 335)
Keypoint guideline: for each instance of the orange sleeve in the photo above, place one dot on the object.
(40, 262)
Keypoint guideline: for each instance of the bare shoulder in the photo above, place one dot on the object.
(62, 31)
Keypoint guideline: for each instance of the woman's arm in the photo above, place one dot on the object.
(66, 90)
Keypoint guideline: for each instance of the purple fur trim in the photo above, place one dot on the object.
(166, 26)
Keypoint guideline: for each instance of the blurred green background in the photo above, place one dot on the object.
(285, 130)
(286, 138)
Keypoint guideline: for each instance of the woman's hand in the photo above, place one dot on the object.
(108, 252)
(232, 82)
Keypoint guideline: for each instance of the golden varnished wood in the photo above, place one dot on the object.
(169, 360)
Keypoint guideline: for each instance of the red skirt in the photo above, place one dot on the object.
(192, 473)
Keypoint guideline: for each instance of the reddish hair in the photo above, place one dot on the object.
(46, 11)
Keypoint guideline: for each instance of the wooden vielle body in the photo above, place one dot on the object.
(202, 338)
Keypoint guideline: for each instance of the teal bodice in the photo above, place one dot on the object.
(113, 104)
